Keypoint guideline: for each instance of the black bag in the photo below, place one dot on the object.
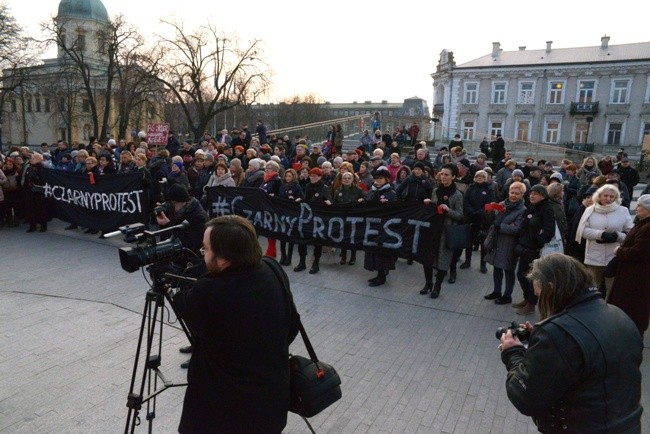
(457, 236)
(610, 268)
(313, 385)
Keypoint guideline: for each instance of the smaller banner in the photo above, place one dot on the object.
(410, 230)
(107, 203)
(157, 133)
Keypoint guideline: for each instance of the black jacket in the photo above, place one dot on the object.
(193, 212)
(580, 373)
(474, 200)
(415, 189)
(317, 192)
(539, 226)
(238, 378)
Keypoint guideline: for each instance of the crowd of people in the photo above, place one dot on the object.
(512, 209)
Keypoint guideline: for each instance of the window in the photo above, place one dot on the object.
(468, 130)
(581, 132)
(85, 106)
(496, 128)
(14, 107)
(80, 43)
(47, 105)
(523, 131)
(586, 91)
(526, 92)
(471, 93)
(620, 91)
(499, 93)
(28, 104)
(552, 132)
(37, 100)
(556, 92)
(614, 133)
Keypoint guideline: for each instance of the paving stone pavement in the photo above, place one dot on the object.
(69, 321)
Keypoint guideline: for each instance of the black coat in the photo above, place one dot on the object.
(474, 201)
(538, 229)
(580, 373)
(415, 189)
(380, 260)
(238, 378)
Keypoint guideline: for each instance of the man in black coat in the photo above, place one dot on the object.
(498, 149)
(242, 323)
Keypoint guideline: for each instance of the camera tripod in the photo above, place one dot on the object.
(151, 317)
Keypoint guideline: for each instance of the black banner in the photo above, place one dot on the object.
(109, 202)
(410, 229)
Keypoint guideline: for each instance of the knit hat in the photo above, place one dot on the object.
(644, 201)
(557, 175)
(321, 160)
(517, 172)
(540, 189)
(465, 162)
(239, 148)
(376, 158)
(419, 165)
(381, 172)
(589, 192)
(111, 142)
(179, 165)
(178, 193)
(316, 171)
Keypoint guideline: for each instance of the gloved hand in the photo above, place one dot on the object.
(609, 237)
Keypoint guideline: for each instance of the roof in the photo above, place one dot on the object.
(84, 9)
(613, 53)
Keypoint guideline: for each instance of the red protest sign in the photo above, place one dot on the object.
(157, 133)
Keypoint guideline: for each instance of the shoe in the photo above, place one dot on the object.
(93, 231)
(31, 229)
(483, 267)
(343, 261)
(465, 265)
(503, 300)
(519, 304)
(373, 279)
(526, 310)
(492, 296)
(436, 290)
(314, 269)
(409, 261)
(475, 249)
(427, 288)
(102, 236)
(300, 267)
(452, 277)
(70, 227)
(186, 350)
(351, 262)
(185, 365)
(283, 259)
(379, 280)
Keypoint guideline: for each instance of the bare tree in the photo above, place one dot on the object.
(17, 51)
(207, 74)
(300, 110)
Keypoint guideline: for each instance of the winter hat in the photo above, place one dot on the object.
(540, 189)
(517, 172)
(589, 192)
(316, 171)
(419, 165)
(376, 158)
(381, 172)
(644, 201)
(557, 176)
(178, 193)
(465, 162)
(179, 165)
(321, 160)
(112, 142)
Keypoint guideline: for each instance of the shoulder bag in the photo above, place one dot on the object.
(314, 385)
(456, 236)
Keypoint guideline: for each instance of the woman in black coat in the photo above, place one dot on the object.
(380, 192)
(35, 209)
(478, 195)
(290, 189)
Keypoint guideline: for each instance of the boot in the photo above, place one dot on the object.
(289, 254)
(43, 228)
(452, 275)
(527, 309)
(379, 280)
(344, 258)
(435, 293)
(270, 249)
(283, 258)
(427, 288)
(519, 304)
(465, 265)
(301, 265)
(483, 267)
(353, 258)
(314, 267)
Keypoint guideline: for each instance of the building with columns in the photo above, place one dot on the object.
(589, 98)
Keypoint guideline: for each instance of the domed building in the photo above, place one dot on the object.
(54, 104)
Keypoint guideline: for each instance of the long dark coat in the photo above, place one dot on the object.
(631, 289)
(509, 223)
(374, 261)
(36, 211)
(238, 378)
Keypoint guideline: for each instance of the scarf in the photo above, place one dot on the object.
(444, 193)
(511, 206)
(269, 175)
(595, 208)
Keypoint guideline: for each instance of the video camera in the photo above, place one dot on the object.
(517, 331)
(150, 249)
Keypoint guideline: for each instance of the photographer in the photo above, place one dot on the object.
(580, 373)
(241, 319)
(181, 206)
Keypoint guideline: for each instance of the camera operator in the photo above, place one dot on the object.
(580, 373)
(242, 324)
(181, 206)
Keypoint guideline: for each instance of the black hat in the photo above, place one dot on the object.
(419, 165)
(465, 162)
(589, 192)
(178, 193)
(381, 172)
(538, 188)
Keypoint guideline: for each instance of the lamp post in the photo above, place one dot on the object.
(589, 120)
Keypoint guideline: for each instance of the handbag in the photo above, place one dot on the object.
(313, 385)
(553, 246)
(490, 239)
(457, 236)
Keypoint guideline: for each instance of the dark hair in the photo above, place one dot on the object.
(234, 239)
(451, 167)
(561, 278)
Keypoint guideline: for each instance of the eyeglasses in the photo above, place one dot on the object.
(202, 251)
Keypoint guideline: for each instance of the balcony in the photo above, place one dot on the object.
(438, 108)
(584, 108)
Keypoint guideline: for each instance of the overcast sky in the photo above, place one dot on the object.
(374, 50)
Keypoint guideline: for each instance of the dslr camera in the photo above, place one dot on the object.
(518, 331)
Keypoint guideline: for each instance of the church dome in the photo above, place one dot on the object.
(84, 9)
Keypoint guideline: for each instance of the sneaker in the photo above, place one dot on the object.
(526, 310)
(519, 304)
(492, 296)
(503, 300)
